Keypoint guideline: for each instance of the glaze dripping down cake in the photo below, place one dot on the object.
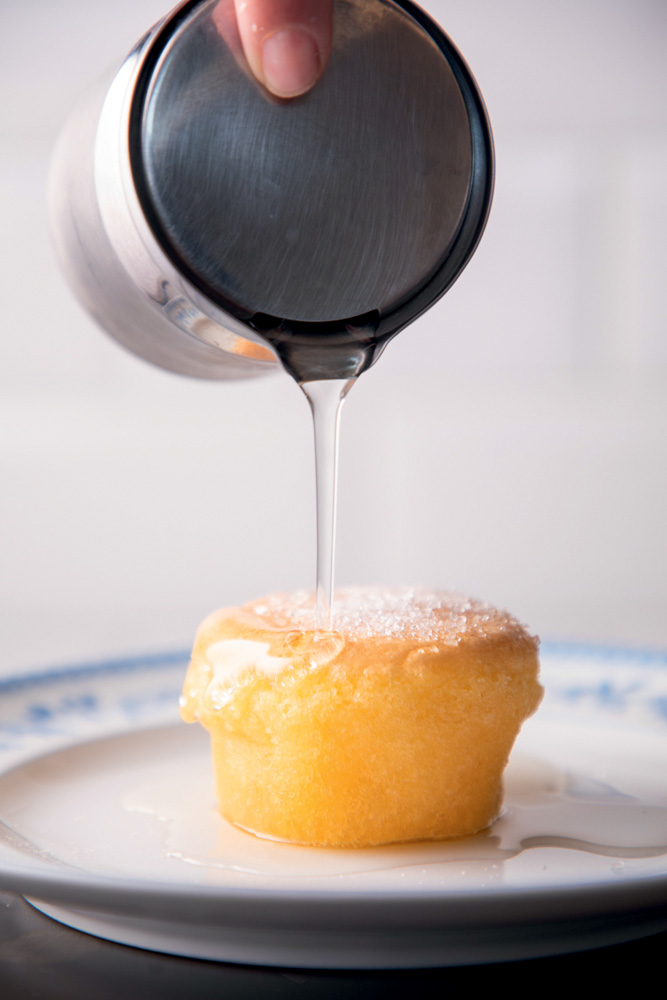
(396, 726)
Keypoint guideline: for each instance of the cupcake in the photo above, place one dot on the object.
(394, 726)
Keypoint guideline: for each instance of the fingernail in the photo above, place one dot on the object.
(290, 62)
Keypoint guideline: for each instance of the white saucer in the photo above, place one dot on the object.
(108, 824)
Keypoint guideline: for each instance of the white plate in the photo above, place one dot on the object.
(108, 824)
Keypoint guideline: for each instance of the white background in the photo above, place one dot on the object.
(511, 444)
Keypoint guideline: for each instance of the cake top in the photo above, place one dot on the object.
(382, 612)
(375, 630)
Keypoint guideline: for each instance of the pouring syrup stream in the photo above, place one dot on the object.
(325, 397)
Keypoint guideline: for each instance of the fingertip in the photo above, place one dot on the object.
(291, 62)
(287, 43)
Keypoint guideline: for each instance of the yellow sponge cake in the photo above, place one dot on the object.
(395, 726)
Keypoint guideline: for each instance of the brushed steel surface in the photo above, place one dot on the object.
(326, 207)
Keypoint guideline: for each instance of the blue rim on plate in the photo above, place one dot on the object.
(618, 681)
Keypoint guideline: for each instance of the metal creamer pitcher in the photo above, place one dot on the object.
(212, 228)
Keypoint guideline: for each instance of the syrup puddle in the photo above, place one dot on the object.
(544, 807)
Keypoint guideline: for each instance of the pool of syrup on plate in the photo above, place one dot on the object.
(545, 807)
